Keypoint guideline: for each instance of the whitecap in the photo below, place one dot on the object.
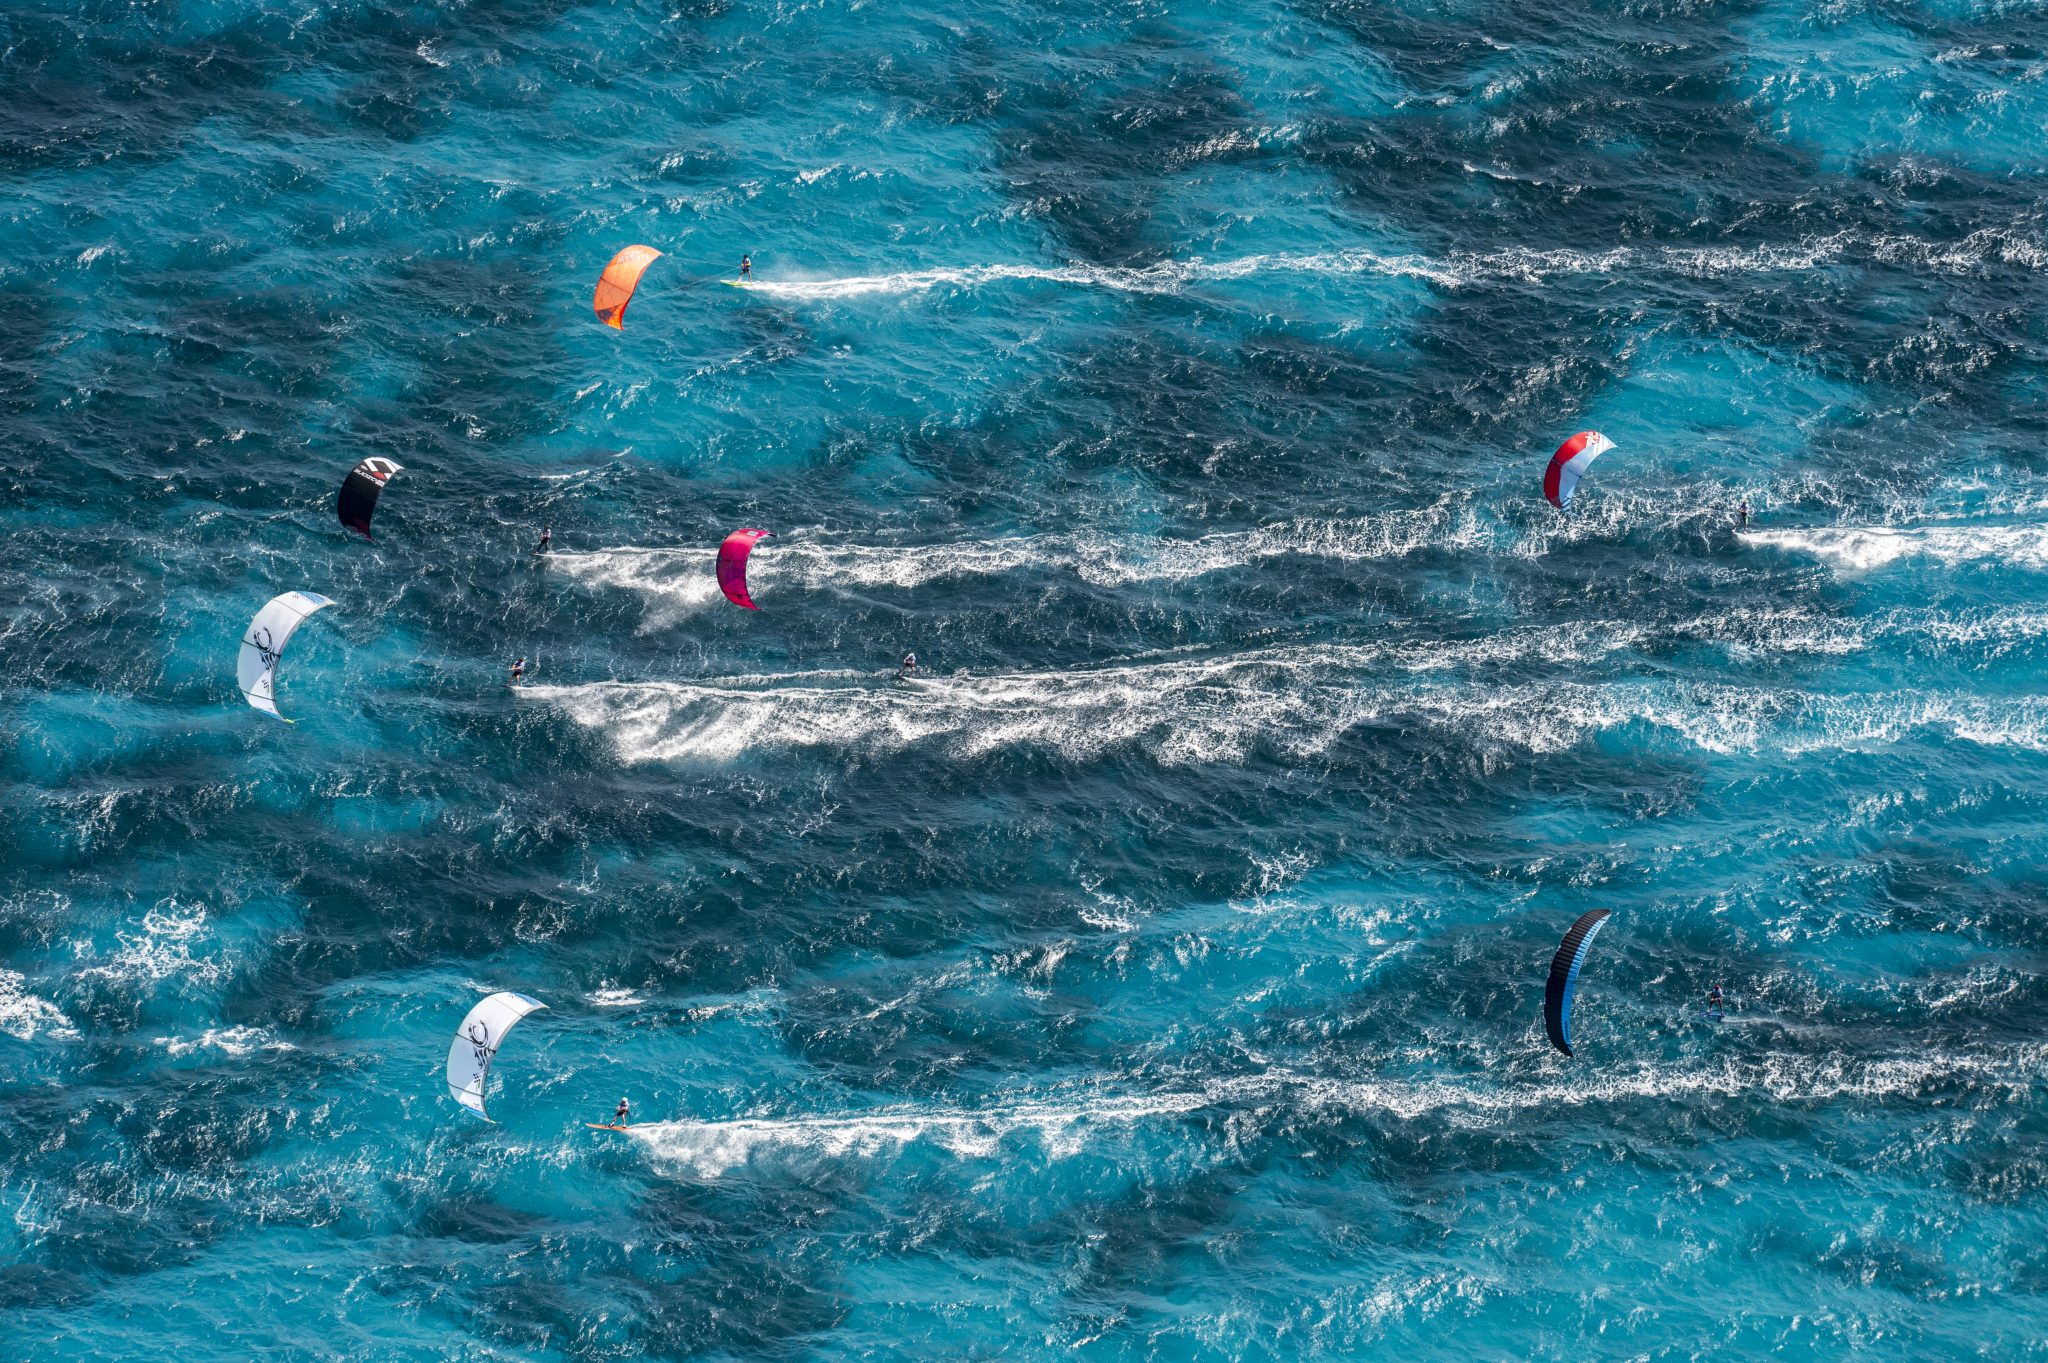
(161, 949)
(23, 1015)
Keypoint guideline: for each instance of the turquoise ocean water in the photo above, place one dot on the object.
(1160, 977)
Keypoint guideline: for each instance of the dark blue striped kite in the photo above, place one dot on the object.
(1564, 977)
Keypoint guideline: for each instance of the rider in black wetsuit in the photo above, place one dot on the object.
(619, 1117)
(519, 672)
(547, 540)
(746, 267)
(909, 666)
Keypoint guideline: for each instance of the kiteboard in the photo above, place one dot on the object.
(606, 1126)
(737, 283)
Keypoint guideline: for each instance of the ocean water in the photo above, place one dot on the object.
(1160, 976)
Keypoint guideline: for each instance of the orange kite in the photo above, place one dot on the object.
(615, 286)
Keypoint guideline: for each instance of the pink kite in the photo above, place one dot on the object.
(732, 565)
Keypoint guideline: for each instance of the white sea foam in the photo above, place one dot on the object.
(613, 998)
(1066, 1123)
(1455, 270)
(161, 949)
(1062, 1126)
(1986, 246)
(1392, 535)
(1862, 549)
(23, 1015)
(230, 1041)
(1776, 1077)
(1168, 277)
(753, 1003)
(674, 581)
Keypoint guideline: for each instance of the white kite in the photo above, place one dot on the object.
(476, 1046)
(263, 645)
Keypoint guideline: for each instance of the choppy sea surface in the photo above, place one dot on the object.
(1160, 976)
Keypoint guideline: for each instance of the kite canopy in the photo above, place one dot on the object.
(615, 286)
(732, 565)
(360, 490)
(476, 1046)
(263, 645)
(1564, 977)
(1570, 463)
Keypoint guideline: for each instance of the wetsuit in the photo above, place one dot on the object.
(746, 267)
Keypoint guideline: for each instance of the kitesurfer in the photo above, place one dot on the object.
(909, 666)
(1742, 515)
(746, 267)
(518, 672)
(547, 541)
(1715, 999)
(619, 1117)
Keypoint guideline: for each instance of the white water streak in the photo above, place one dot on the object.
(1297, 699)
(1456, 270)
(678, 582)
(1861, 549)
(1064, 1124)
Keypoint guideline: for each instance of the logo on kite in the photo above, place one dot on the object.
(732, 565)
(263, 645)
(615, 286)
(360, 490)
(476, 1045)
(1570, 463)
(1564, 977)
